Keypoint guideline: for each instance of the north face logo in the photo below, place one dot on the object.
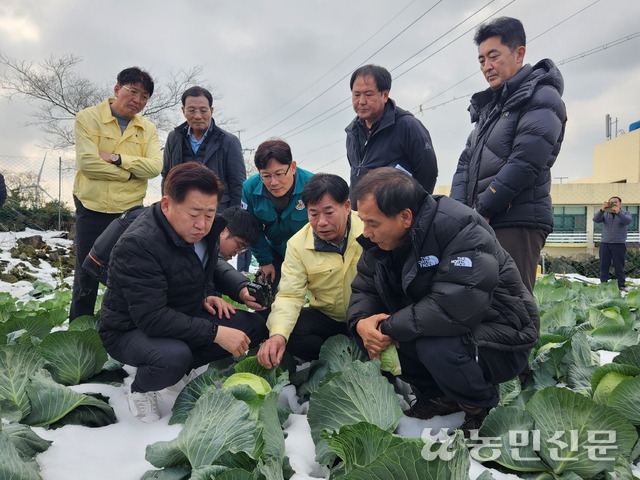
(428, 261)
(462, 262)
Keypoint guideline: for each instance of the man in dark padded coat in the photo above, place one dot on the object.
(434, 280)
(505, 170)
(383, 134)
(199, 139)
(162, 311)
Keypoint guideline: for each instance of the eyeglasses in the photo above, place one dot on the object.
(202, 111)
(278, 176)
(240, 247)
(135, 93)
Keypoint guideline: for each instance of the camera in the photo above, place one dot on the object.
(261, 289)
(610, 207)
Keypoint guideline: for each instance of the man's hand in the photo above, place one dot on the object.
(271, 351)
(269, 271)
(374, 340)
(232, 340)
(217, 306)
(616, 209)
(248, 300)
(605, 205)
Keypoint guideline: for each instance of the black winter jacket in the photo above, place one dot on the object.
(504, 171)
(220, 152)
(450, 278)
(400, 139)
(156, 282)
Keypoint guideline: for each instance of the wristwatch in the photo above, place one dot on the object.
(115, 159)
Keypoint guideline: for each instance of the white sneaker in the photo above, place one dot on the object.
(144, 406)
(183, 382)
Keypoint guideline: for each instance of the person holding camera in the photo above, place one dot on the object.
(321, 259)
(613, 246)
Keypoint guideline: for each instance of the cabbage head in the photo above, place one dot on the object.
(608, 383)
(257, 383)
(389, 361)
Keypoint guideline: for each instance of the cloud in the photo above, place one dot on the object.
(16, 30)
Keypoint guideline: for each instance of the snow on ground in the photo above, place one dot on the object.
(117, 451)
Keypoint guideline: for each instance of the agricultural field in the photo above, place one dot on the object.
(64, 412)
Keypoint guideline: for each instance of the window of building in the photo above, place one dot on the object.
(569, 219)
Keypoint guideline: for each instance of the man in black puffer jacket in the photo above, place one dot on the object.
(383, 134)
(434, 279)
(504, 171)
(162, 311)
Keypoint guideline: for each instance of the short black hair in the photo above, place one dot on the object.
(322, 184)
(510, 30)
(242, 223)
(133, 75)
(392, 189)
(619, 199)
(197, 92)
(277, 150)
(191, 176)
(380, 75)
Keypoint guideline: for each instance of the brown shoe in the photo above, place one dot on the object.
(426, 408)
(474, 416)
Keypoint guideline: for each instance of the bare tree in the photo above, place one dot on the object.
(59, 92)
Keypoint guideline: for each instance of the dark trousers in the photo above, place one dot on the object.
(89, 226)
(244, 261)
(616, 253)
(447, 365)
(524, 245)
(163, 361)
(312, 329)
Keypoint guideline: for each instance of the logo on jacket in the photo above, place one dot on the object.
(243, 205)
(300, 205)
(428, 261)
(462, 262)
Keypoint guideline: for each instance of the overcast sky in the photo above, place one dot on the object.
(269, 60)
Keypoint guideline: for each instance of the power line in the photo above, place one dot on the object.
(562, 62)
(290, 132)
(600, 48)
(335, 66)
(348, 74)
(421, 108)
(446, 33)
(454, 40)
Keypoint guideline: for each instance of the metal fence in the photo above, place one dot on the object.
(40, 180)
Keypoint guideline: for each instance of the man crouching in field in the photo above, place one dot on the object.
(153, 315)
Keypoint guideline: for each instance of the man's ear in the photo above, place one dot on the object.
(520, 51)
(164, 204)
(406, 218)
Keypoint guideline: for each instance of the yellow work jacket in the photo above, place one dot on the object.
(100, 185)
(326, 276)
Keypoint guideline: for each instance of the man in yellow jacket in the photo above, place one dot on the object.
(117, 151)
(321, 259)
